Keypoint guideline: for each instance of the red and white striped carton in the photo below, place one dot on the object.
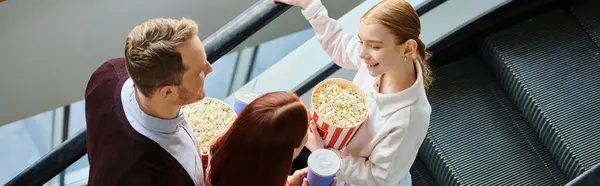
(335, 137)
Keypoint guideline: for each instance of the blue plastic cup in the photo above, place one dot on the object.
(323, 164)
(242, 99)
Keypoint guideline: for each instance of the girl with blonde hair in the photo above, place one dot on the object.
(393, 71)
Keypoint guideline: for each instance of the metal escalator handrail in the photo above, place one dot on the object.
(218, 44)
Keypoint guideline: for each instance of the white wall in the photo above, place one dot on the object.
(48, 49)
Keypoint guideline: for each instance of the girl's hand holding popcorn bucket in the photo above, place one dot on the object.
(338, 108)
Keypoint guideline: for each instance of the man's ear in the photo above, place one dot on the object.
(167, 92)
(410, 47)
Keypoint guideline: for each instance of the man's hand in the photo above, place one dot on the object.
(298, 178)
(314, 142)
(301, 3)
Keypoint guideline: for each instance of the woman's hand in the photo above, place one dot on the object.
(298, 178)
(301, 3)
(314, 142)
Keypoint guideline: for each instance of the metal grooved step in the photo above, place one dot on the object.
(550, 67)
(477, 136)
(420, 175)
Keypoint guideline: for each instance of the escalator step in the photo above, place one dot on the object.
(476, 135)
(551, 69)
(420, 175)
(586, 12)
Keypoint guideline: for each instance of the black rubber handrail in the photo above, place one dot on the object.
(218, 44)
(242, 27)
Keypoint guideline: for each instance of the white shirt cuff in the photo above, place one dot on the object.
(312, 10)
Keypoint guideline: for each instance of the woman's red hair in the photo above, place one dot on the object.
(258, 148)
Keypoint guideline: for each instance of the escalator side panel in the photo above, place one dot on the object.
(586, 12)
(549, 67)
(476, 135)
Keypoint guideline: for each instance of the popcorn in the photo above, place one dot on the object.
(208, 117)
(339, 106)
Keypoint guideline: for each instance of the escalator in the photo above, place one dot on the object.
(521, 106)
(555, 84)
(477, 136)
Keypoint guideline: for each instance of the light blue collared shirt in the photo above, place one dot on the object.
(173, 135)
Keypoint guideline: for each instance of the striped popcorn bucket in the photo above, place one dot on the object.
(333, 136)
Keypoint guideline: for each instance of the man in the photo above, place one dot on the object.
(136, 134)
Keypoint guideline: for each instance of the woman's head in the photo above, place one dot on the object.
(389, 33)
(258, 148)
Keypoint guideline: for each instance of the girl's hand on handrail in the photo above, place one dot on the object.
(300, 3)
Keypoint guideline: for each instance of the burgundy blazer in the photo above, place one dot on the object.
(117, 153)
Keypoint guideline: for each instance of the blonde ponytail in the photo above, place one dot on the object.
(423, 60)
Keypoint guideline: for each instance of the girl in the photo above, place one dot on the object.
(259, 146)
(392, 70)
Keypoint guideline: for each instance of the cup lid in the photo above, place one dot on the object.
(324, 162)
(245, 96)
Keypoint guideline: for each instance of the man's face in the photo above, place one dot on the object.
(196, 68)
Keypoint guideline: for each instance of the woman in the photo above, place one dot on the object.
(259, 146)
(393, 72)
